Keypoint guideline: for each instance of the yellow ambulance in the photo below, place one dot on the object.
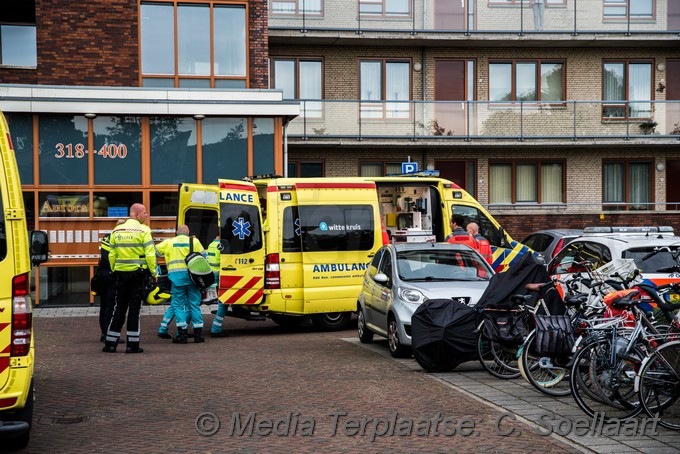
(16, 321)
(290, 247)
(294, 247)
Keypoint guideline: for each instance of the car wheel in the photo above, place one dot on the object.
(396, 348)
(332, 321)
(365, 335)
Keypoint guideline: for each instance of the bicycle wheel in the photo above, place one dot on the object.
(542, 372)
(604, 385)
(500, 361)
(659, 385)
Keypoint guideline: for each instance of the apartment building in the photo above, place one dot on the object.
(112, 102)
(560, 113)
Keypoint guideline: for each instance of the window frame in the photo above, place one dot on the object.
(626, 204)
(384, 165)
(382, 103)
(213, 79)
(298, 11)
(383, 10)
(526, 2)
(627, 17)
(625, 104)
(538, 163)
(296, 74)
(537, 81)
(298, 166)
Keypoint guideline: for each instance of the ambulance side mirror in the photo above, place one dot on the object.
(39, 247)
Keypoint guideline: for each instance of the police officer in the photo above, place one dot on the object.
(185, 295)
(214, 259)
(132, 259)
(107, 286)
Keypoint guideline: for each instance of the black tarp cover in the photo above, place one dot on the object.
(527, 270)
(442, 334)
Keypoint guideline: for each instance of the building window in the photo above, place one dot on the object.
(300, 79)
(379, 169)
(625, 83)
(391, 8)
(526, 2)
(63, 150)
(225, 148)
(210, 50)
(295, 7)
(526, 182)
(173, 150)
(305, 169)
(532, 81)
(628, 9)
(385, 80)
(117, 150)
(627, 185)
(18, 45)
(21, 126)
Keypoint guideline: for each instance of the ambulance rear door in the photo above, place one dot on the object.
(199, 210)
(242, 247)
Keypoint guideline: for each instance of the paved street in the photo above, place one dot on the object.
(322, 392)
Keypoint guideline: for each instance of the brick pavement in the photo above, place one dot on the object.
(89, 401)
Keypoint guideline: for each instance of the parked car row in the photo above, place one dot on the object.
(402, 276)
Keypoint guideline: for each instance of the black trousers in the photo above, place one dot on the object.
(107, 299)
(129, 294)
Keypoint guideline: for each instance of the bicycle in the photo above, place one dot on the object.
(603, 374)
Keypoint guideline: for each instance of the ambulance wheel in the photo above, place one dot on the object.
(25, 415)
(289, 321)
(332, 321)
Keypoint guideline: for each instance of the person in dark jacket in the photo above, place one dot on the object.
(107, 287)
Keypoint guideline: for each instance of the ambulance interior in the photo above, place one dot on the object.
(407, 212)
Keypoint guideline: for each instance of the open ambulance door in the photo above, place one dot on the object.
(199, 210)
(242, 252)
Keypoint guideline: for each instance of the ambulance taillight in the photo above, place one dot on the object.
(272, 272)
(22, 316)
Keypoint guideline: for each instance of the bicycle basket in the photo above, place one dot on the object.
(617, 269)
(554, 335)
(505, 326)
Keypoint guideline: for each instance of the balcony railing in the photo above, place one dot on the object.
(470, 120)
(477, 16)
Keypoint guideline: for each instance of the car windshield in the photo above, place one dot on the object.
(658, 263)
(429, 265)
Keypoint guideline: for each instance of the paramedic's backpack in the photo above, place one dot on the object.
(199, 269)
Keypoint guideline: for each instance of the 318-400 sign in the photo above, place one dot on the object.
(78, 150)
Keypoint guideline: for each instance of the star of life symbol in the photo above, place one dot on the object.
(241, 228)
(298, 231)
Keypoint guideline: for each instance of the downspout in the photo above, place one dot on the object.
(285, 149)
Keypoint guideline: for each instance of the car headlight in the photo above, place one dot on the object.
(410, 295)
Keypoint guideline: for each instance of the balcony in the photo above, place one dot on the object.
(471, 121)
(486, 22)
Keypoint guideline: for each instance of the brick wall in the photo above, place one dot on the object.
(259, 44)
(520, 226)
(96, 43)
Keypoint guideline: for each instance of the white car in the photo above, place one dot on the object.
(600, 245)
(402, 276)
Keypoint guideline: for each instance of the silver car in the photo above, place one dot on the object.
(402, 276)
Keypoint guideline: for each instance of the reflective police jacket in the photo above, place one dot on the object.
(175, 251)
(132, 248)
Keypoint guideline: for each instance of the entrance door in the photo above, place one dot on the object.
(454, 171)
(449, 92)
(449, 14)
(672, 185)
